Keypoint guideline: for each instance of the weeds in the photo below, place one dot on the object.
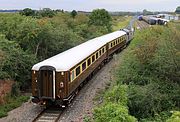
(12, 103)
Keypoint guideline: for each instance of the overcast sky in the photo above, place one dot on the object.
(89, 5)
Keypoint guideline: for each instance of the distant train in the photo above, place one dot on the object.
(56, 80)
(153, 20)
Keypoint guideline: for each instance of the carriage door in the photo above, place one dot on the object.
(47, 84)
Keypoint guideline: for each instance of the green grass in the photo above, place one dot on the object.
(120, 22)
(12, 103)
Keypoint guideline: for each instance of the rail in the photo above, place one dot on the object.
(49, 115)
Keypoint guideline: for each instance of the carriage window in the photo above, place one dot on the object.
(97, 55)
(72, 75)
(77, 70)
(89, 61)
(100, 52)
(84, 66)
(103, 50)
(111, 45)
(93, 58)
(114, 42)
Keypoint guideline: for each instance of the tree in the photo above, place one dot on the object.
(15, 63)
(100, 17)
(146, 12)
(73, 13)
(177, 10)
(27, 12)
(47, 12)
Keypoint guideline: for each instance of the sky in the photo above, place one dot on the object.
(89, 5)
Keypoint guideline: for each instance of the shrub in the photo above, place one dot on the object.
(112, 112)
(175, 117)
(12, 103)
(150, 68)
(114, 107)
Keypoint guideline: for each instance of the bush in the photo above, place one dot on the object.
(175, 117)
(16, 63)
(114, 107)
(112, 112)
(150, 69)
(12, 103)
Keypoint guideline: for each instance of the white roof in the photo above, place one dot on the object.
(68, 59)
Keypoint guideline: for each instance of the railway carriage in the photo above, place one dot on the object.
(153, 20)
(57, 79)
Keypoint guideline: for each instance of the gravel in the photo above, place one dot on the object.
(25, 113)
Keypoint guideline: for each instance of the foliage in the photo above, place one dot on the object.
(120, 22)
(114, 107)
(150, 69)
(113, 113)
(86, 118)
(147, 79)
(177, 10)
(12, 102)
(15, 62)
(46, 12)
(175, 117)
(73, 13)
(27, 12)
(146, 12)
(100, 17)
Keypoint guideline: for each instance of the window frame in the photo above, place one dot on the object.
(78, 72)
(97, 55)
(84, 68)
(100, 53)
(72, 75)
(103, 50)
(88, 61)
(93, 58)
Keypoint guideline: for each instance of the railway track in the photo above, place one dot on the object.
(141, 25)
(49, 115)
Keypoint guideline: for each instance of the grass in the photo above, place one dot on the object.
(12, 103)
(120, 22)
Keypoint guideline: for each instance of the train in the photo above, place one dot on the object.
(153, 20)
(57, 80)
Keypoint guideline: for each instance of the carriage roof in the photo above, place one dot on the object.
(68, 59)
